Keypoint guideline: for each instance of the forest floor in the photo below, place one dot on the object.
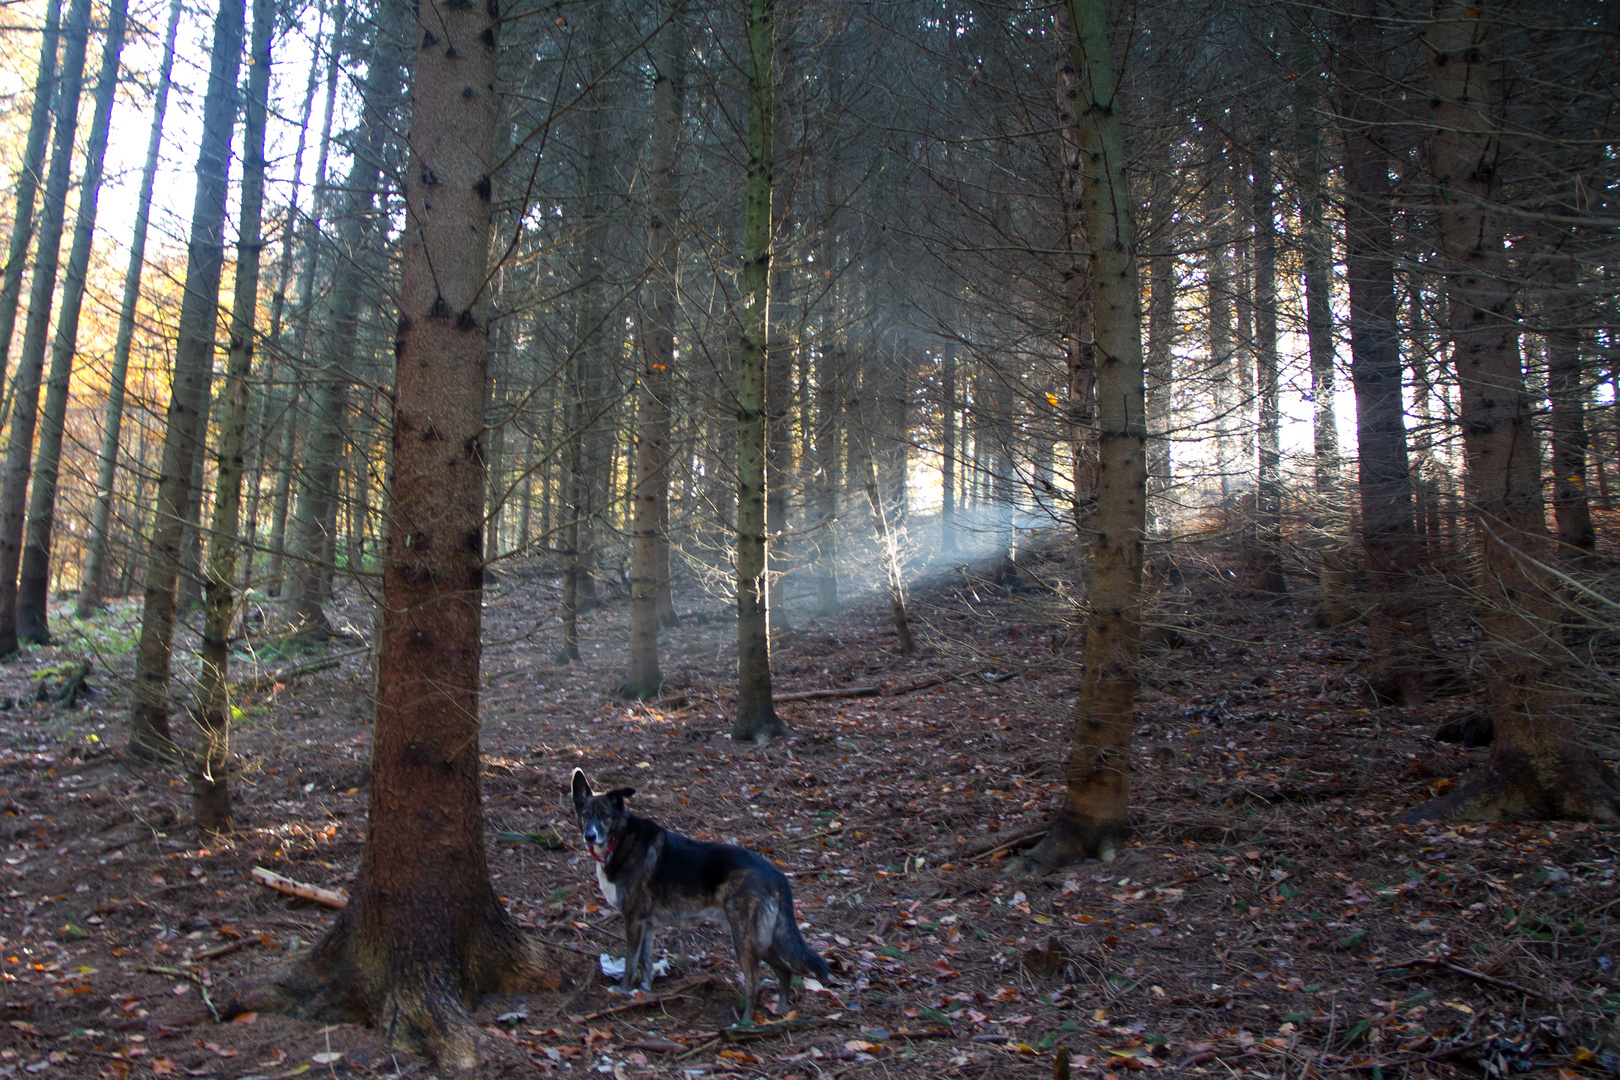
(1269, 918)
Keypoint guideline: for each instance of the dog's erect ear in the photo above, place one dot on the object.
(582, 790)
(619, 794)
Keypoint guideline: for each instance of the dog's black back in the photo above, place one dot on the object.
(660, 878)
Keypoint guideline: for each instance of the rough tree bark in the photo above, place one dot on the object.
(33, 583)
(188, 396)
(756, 720)
(1092, 821)
(651, 494)
(95, 558)
(1402, 642)
(425, 935)
(210, 786)
(36, 331)
(1538, 766)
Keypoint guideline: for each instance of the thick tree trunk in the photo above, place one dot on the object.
(28, 177)
(756, 720)
(188, 397)
(42, 289)
(1092, 821)
(425, 935)
(651, 495)
(210, 787)
(1268, 553)
(1538, 766)
(1403, 644)
(33, 583)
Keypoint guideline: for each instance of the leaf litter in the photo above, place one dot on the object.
(1270, 916)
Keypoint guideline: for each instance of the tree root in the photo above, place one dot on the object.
(419, 1002)
(1584, 791)
(1067, 842)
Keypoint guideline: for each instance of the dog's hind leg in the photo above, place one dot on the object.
(644, 957)
(743, 941)
(784, 975)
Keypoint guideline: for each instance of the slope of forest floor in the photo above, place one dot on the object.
(1270, 917)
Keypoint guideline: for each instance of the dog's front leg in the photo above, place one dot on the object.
(637, 941)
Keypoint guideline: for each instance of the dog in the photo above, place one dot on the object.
(658, 878)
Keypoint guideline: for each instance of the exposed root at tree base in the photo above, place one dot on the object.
(1585, 795)
(420, 1002)
(1066, 843)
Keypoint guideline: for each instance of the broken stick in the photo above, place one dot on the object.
(314, 893)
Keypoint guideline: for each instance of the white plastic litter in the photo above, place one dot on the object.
(613, 967)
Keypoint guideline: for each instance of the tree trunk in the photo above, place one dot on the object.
(1218, 324)
(298, 404)
(95, 559)
(651, 494)
(756, 720)
(210, 787)
(947, 451)
(425, 935)
(1566, 389)
(42, 289)
(303, 591)
(1092, 821)
(188, 397)
(1160, 373)
(276, 410)
(829, 473)
(1538, 766)
(1079, 347)
(1403, 645)
(33, 584)
(1268, 553)
(1334, 573)
(28, 177)
(867, 470)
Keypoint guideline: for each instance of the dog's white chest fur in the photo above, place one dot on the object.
(610, 891)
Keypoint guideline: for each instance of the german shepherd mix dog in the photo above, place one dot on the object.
(659, 878)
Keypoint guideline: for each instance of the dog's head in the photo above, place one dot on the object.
(601, 817)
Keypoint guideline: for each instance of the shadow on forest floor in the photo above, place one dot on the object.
(1267, 919)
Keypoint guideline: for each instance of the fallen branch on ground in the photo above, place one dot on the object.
(309, 667)
(325, 897)
(895, 690)
(1470, 973)
(990, 847)
(644, 1003)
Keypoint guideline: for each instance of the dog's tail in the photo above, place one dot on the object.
(794, 952)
